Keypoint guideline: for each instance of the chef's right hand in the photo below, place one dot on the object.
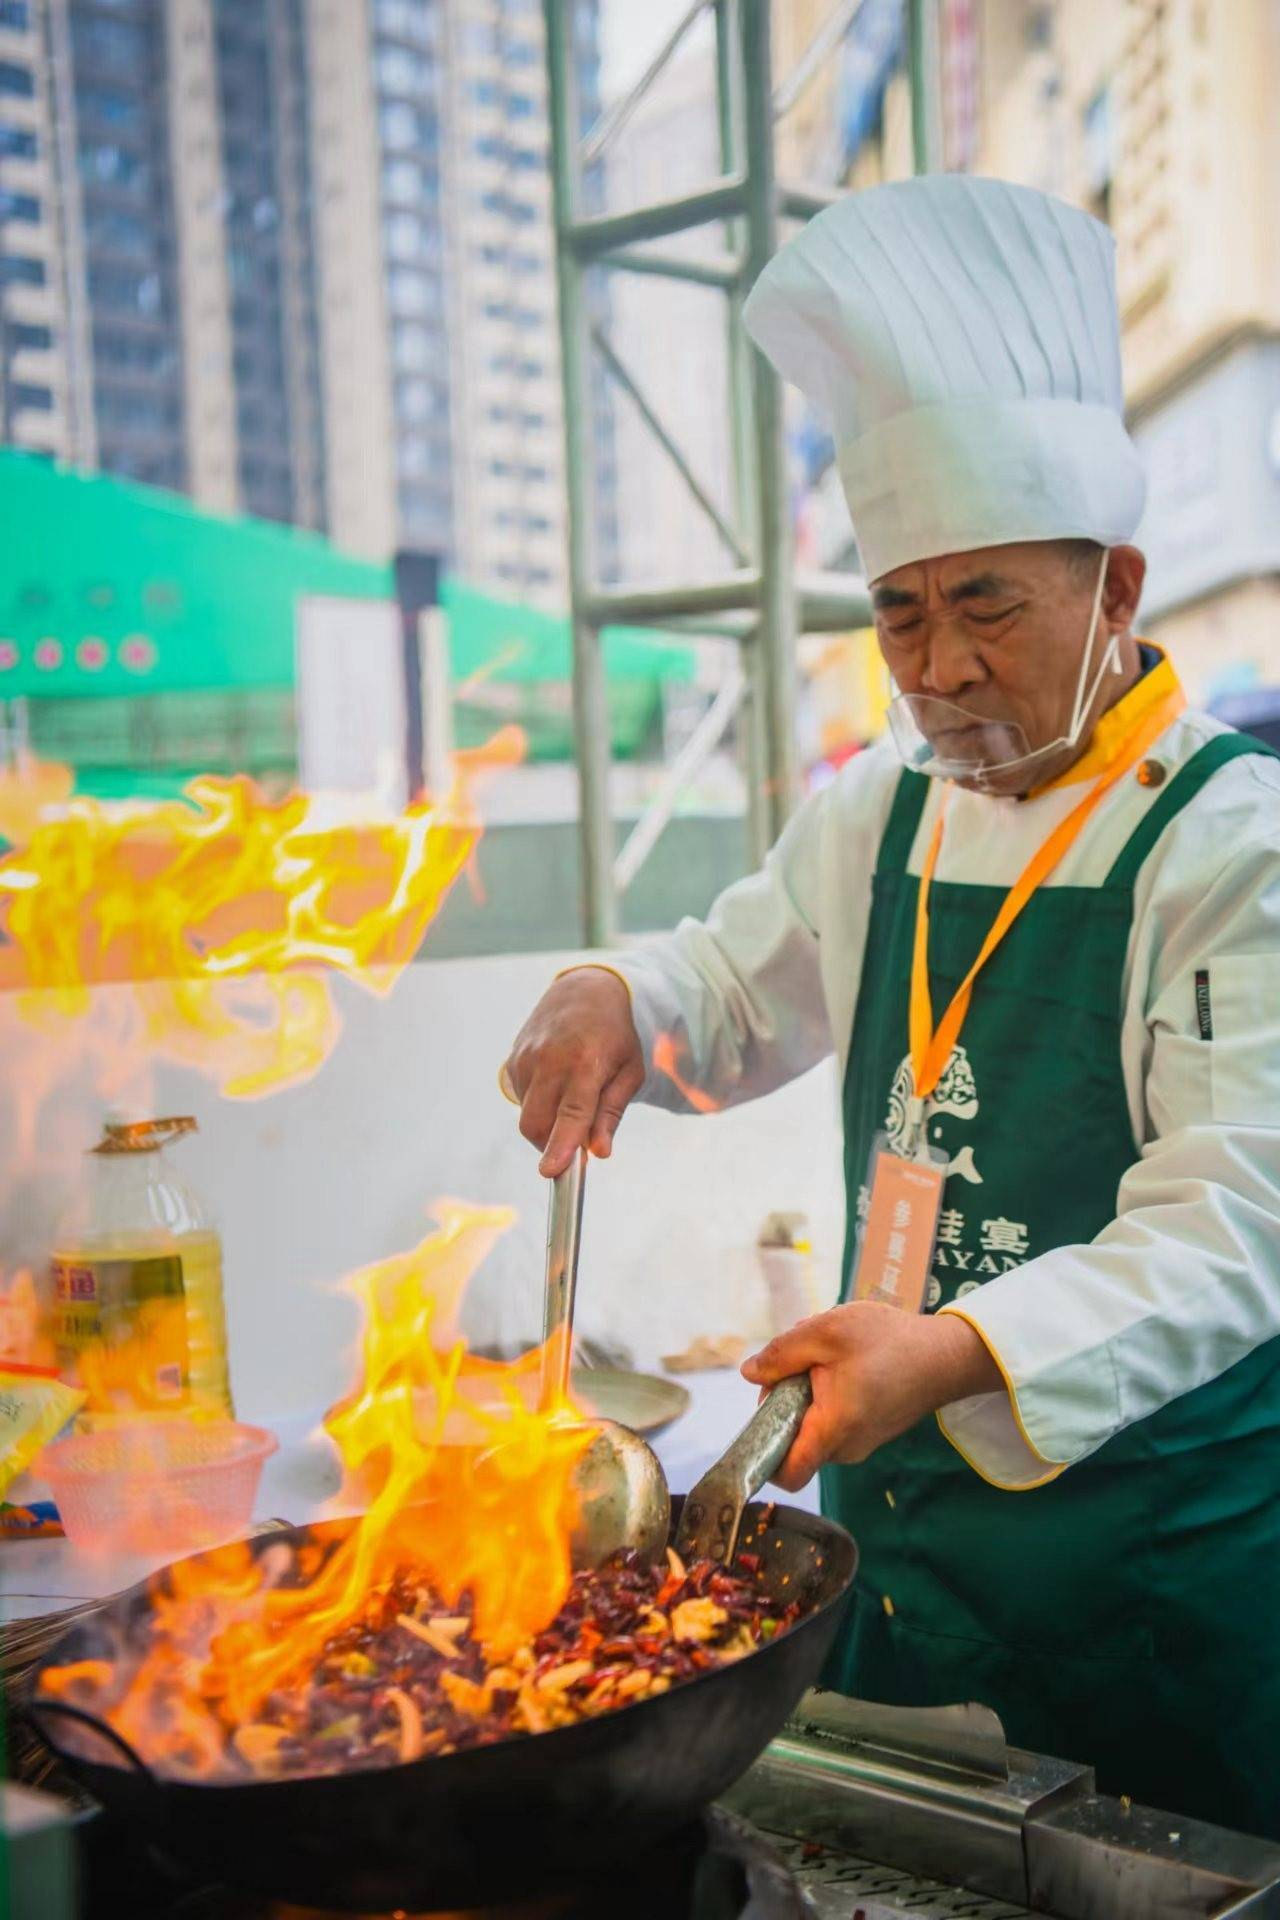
(575, 1067)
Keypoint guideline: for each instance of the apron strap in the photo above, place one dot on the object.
(1184, 786)
(899, 834)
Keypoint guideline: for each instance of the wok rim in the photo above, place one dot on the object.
(800, 1520)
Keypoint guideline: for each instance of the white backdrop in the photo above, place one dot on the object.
(322, 1178)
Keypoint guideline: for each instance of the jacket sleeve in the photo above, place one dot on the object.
(732, 1007)
(1185, 1280)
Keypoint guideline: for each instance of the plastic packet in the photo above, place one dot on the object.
(35, 1406)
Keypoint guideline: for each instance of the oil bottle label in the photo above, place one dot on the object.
(121, 1330)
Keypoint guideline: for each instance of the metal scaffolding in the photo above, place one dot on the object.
(759, 601)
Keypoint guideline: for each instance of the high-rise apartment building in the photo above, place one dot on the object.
(37, 406)
(295, 258)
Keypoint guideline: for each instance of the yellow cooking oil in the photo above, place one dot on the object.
(135, 1297)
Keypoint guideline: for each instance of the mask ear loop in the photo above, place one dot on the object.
(1110, 659)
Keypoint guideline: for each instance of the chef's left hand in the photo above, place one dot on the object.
(876, 1370)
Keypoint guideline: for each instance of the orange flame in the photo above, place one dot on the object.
(473, 1493)
(213, 902)
(666, 1061)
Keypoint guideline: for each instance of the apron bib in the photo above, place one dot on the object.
(1122, 1614)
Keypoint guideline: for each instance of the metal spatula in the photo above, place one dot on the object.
(624, 1495)
(712, 1512)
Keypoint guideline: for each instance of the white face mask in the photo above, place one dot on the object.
(941, 738)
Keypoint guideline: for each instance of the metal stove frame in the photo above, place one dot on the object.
(928, 1812)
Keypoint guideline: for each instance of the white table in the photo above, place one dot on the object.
(299, 1482)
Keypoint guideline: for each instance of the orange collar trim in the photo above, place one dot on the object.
(1117, 724)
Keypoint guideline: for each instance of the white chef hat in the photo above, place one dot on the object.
(961, 337)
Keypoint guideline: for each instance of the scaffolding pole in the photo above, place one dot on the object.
(757, 602)
(590, 704)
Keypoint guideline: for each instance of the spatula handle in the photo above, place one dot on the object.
(712, 1512)
(765, 1441)
(564, 1227)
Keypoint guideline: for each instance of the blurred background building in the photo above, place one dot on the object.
(294, 259)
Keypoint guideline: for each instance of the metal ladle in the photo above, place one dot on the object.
(624, 1499)
(622, 1490)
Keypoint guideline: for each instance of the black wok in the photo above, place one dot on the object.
(492, 1823)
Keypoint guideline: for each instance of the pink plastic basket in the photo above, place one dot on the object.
(163, 1486)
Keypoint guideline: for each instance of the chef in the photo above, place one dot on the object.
(1039, 925)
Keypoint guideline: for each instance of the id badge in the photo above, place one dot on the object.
(901, 1225)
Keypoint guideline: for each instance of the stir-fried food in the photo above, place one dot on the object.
(408, 1678)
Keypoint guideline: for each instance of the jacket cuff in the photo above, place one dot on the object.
(599, 966)
(987, 1430)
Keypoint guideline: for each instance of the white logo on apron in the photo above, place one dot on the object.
(956, 1093)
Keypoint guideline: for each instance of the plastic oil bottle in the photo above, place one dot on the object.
(138, 1315)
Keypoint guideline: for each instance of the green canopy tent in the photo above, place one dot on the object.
(154, 641)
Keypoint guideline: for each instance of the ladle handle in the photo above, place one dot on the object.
(712, 1513)
(564, 1228)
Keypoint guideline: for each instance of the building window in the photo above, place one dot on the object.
(415, 401)
(415, 348)
(129, 407)
(19, 206)
(401, 180)
(117, 166)
(400, 71)
(124, 289)
(30, 399)
(484, 93)
(410, 20)
(127, 352)
(109, 47)
(411, 292)
(15, 14)
(23, 334)
(415, 458)
(17, 143)
(113, 109)
(16, 80)
(17, 270)
(409, 238)
(112, 231)
(401, 126)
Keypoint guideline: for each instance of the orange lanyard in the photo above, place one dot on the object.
(931, 1046)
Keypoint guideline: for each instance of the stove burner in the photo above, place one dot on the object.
(720, 1869)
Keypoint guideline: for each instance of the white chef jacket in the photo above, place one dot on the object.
(1186, 1279)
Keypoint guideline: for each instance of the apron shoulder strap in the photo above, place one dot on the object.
(1184, 786)
(899, 834)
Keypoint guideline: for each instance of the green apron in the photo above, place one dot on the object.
(1122, 1614)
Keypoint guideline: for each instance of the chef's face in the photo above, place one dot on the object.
(1002, 632)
